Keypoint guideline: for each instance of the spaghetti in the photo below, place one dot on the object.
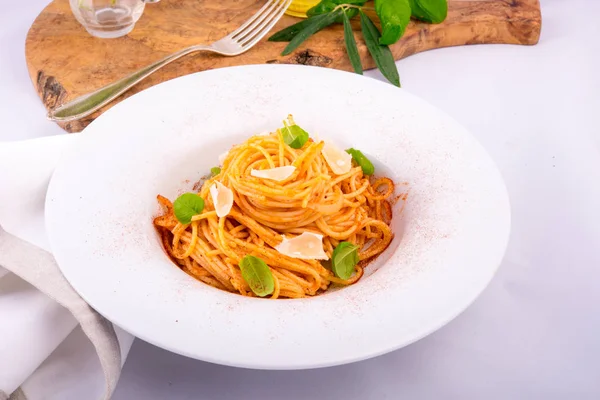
(350, 207)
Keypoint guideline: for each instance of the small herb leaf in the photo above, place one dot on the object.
(214, 171)
(317, 23)
(344, 259)
(186, 206)
(380, 53)
(294, 136)
(364, 163)
(394, 16)
(433, 11)
(351, 47)
(258, 275)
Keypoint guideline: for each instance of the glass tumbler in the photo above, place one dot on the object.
(108, 18)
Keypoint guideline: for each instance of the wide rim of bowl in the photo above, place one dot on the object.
(482, 185)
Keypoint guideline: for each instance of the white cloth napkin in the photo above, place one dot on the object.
(52, 344)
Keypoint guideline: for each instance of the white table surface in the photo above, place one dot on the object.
(535, 331)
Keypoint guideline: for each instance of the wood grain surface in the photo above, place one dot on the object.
(64, 61)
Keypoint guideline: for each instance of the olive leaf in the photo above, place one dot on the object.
(394, 16)
(287, 34)
(381, 54)
(351, 47)
(432, 11)
(316, 24)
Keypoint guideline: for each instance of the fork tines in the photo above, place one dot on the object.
(260, 23)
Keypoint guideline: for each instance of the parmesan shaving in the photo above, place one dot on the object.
(338, 160)
(276, 174)
(308, 246)
(222, 198)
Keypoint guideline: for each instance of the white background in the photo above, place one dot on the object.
(535, 332)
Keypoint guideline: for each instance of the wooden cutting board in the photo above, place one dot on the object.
(64, 61)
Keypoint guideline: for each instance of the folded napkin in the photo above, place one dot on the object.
(53, 345)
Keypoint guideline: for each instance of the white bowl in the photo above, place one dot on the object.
(449, 240)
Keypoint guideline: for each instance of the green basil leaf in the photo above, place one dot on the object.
(380, 53)
(326, 6)
(214, 171)
(432, 11)
(317, 23)
(287, 34)
(258, 275)
(394, 16)
(364, 163)
(351, 47)
(294, 136)
(344, 259)
(186, 206)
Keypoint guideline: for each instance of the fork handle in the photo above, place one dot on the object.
(85, 105)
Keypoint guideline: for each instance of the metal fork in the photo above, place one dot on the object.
(237, 42)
